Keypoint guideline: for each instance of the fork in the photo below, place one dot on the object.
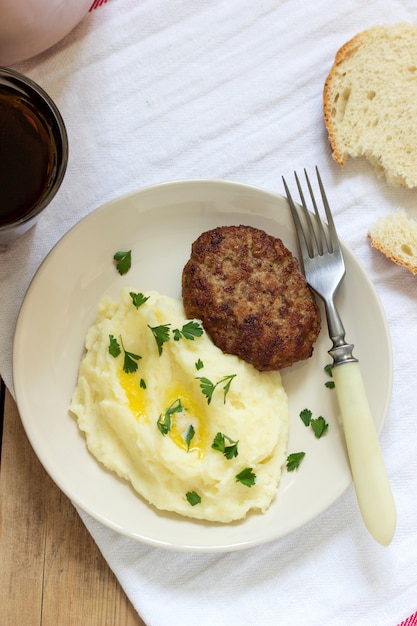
(324, 269)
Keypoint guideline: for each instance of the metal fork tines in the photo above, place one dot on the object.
(324, 269)
(322, 260)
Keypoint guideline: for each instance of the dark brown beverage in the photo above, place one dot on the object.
(33, 153)
(26, 155)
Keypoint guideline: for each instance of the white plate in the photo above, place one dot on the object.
(159, 224)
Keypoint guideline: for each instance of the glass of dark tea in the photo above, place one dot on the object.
(33, 153)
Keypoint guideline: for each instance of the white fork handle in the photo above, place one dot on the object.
(370, 478)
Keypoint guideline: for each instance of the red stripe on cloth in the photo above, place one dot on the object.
(410, 621)
(96, 4)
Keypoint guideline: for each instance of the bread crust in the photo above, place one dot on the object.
(369, 101)
(342, 54)
(395, 235)
(392, 256)
(246, 288)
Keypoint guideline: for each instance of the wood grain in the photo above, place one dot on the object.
(51, 571)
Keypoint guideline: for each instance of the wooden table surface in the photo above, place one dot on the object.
(51, 571)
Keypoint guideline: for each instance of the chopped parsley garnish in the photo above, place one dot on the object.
(190, 331)
(164, 423)
(306, 416)
(130, 358)
(208, 387)
(161, 334)
(123, 261)
(142, 384)
(330, 383)
(199, 365)
(164, 420)
(294, 460)
(138, 298)
(319, 426)
(328, 369)
(193, 497)
(219, 443)
(114, 348)
(189, 435)
(246, 477)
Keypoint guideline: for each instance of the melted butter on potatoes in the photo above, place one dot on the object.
(160, 426)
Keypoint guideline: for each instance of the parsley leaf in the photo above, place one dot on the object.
(294, 460)
(226, 388)
(164, 423)
(189, 435)
(161, 334)
(330, 383)
(246, 477)
(193, 497)
(306, 416)
(319, 426)
(123, 261)
(142, 384)
(219, 443)
(199, 365)
(138, 298)
(190, 331)
(207, 386)
(130, 362)
(114, 348)
(164, 420)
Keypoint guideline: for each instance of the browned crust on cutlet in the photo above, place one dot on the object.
(246, 288)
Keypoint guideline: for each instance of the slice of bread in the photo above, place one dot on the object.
(396, 236)
(370, 101)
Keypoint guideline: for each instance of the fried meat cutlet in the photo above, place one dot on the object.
(246, 288)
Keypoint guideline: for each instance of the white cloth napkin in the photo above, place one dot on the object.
(162, 90)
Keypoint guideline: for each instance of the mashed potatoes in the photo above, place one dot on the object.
(194, 430)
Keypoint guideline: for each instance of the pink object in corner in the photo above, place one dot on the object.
(97, 3)
(28, 27)
(410, 621)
